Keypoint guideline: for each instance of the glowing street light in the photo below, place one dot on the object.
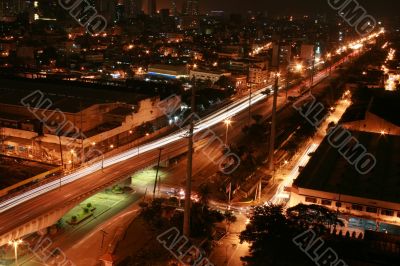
(227, 123)
(72, 158)
(15, 244)
(299, 67)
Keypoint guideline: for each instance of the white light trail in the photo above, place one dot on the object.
(205, 123)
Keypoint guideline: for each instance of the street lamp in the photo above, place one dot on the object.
(15, 244)
(299, 67)
(72, 158)
(227, 123)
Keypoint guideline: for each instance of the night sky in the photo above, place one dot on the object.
(374, 7)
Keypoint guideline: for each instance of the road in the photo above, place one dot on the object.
(24, 208)
(232, 249)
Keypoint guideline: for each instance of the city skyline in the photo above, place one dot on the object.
(251, 133)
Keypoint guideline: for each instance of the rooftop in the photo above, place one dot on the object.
(68, 97)
(382, 103)
(330, 172)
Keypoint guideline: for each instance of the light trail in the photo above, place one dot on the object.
(205, 123)
(280, 194)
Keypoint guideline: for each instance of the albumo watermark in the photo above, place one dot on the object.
(42, 108)
(339, 138)
(182, 249)
(229, 162)
(85, 14)
(355, 15)
(316, 250)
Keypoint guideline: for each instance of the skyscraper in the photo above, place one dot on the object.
(132, 8)
(173, 8)
(151, 7)
(11, 7)
(106, 8)
(191, 7)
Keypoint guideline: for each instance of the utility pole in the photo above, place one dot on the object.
(288, 77)
(250, 95)
(271, 151)
(312, 72)
(2, 137)
(271, 166)
(188, 191)
(61, 152)
(158, 167)
(81, 134)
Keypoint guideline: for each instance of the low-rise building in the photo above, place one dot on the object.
(74, 118)
(213, 75)
(330, 180)
(258, 75)
(374, 113)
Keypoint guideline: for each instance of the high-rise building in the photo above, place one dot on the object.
(106, 8)
(132, 8)
(191, 7)
(11, 7)
(151, 7)
(173, 9)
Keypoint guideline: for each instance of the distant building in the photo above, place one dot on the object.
(307, 52)
(84, 118)
(151, 7)
(9, 8)
(376, 114)
(258, 74)
(191, 7)
(240, 82)
(132, 8)
(173, 8)
(275, 55)
(189, 22)
(243, 65)
(164, 13)
(286, 54)
(231, 52)
(212, 75)
(106, 8)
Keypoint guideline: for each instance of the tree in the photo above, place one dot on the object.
(225, 83)
(270, 234)
(313, 216)
(204, 193)
(203, 220)
(230, 218)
